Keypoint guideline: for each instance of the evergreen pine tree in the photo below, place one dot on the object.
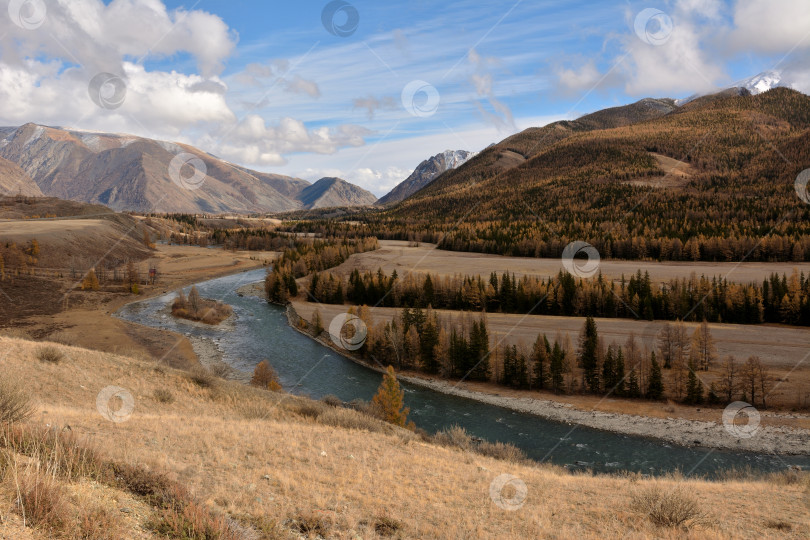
(655, 387)
(694, 388)
(589, 343)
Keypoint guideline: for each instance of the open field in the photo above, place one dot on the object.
(785, 350)
(277, 463)
(397, 255)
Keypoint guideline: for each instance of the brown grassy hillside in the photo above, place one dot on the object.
(221, 460)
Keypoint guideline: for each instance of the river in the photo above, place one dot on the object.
(308, 368)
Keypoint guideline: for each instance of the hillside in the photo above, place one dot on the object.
(425, 173)
(15, 181)
(217, 459)
(131, 173)
(702, 182)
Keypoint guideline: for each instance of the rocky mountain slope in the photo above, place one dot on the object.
(334, 192)
(125, 172)
(427, 172)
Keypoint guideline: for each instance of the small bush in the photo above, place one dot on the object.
(221, 370)
(349, 419)
(15, 405)
(264, 376)
(162, 395)
(386, 526)
(309, 524)
(332, 401)
(41, 502)
(668, 507)
(778, 525)
(50, 354)
(308, 409)
(256, 410)
(505, 451)
(202, 377)
(100, 523)
(455, 436)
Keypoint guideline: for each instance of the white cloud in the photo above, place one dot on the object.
(771, 26)
(482, 79)
(45, 75)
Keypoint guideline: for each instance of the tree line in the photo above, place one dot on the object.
(778, 299)
(677, 366)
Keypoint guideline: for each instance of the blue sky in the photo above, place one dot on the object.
(265, 84)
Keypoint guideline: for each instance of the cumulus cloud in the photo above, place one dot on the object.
(46, 73)
(705, 35)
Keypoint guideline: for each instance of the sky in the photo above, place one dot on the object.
(365, 90)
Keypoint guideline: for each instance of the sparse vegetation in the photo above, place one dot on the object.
(196, 308)
(163, 395)
(668, 506)
(15, 402)
(50, 354)
(264, 376)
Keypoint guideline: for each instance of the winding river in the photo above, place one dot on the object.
(307, 367)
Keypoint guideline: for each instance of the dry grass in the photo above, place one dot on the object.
(287, 469)
(50, 354)
(15, 403)
(161, 395)
(668, 506)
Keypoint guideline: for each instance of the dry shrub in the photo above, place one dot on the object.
(778, 525)
(221, 370)
(256, 410)
(668, 507)
(332, 401)
(308, 409)
(58, 452)
(50, 354)
(202, 377)
(455, 436)
(100, 523)
(387, 526)
(191, 520)
(15, 404)
(309, 524)
(349, 419)
(162, 395)
(42, 502)
(504, 451)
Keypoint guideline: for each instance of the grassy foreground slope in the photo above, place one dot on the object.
(202, 457)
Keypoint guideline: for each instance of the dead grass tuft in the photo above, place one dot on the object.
(50, 354)
(673, 507)
(202, 377)
(310, 524)
(41, 501)
(162, 395)
(387, 526)
(15, 404)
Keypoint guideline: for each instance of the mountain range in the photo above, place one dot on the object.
(126, 172)
(708, 177)
(425, 173)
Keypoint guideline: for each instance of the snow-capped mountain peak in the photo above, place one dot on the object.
(762, 82)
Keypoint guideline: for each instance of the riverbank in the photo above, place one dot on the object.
(88, 319)
(775, 435)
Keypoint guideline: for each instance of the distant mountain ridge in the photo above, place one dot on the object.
(125, 172)
(426, 172)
